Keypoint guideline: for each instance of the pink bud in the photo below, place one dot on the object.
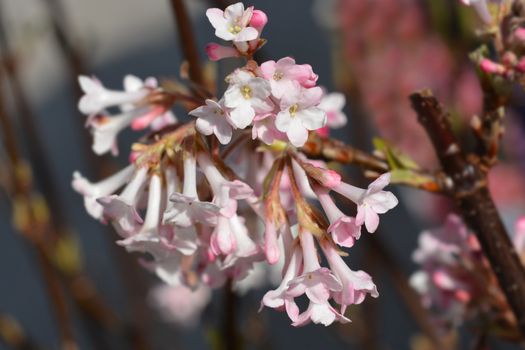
(217, 52)
(259, 20)
(323, 132)
(145, 120)
(489, 66)
(271, 248)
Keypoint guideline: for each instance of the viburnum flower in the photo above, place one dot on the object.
(213, 118)
(299, 113)
(456, 281)
(370, 202)
(186, 209)
(136, 110)
(344, 229)
(247, 96)
(333, 105)
(96, 97)
(355, 284)
(318, 284)
(232, 23)
(284, 74)
(93, 191)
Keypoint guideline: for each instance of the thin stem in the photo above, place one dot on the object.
(187, 40)
(469, 191)
(12, 334)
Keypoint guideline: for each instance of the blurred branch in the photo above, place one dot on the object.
(187, 40)
(12, 334)
(469, 191)
(30, 217)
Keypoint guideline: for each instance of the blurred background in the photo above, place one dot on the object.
(376, 52)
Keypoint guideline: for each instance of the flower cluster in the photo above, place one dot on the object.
(142, 104)
(202, 213)
(456, 281)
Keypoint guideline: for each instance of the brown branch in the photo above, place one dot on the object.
(468, 188)
(332, 150)
(187, 40)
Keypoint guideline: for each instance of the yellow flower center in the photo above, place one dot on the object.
(278, 76)
(293, 110)
(235, 29)
(246, 92)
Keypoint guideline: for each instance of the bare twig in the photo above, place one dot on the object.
(468, 188)
(187, 40)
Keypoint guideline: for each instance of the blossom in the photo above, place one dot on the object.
(96, 97)
(213, 119)
(180, 304)
(317, 283)
(264, 129)
(93, 191)
(370, 202)
(246, 96)
(299, 113)
(333, 105)
(284, 74)
(232, 23)
(186, 209)
(343, 228)
(217, 52)
(355, 284)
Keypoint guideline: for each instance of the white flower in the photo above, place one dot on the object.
(213, 119)
(299, 113)
(96, 97)
(333, 105)
(232, 24)
(93, 191)
(246, 96)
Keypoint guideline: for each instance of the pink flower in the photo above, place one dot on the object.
(284, 74)
(317, 283)
(370, 202)
(355, 284)
(299, 113)
(343, 228)
(217, 52)
(232, 23)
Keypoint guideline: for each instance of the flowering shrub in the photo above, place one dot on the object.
(194, 193)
